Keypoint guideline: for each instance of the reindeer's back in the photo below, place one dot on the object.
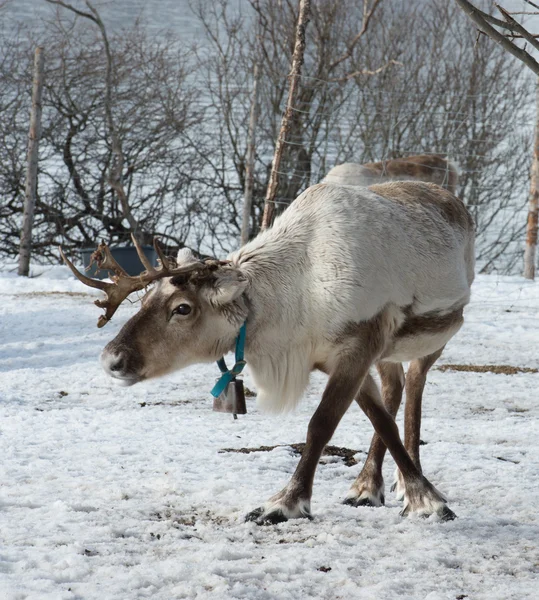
(427, 198)
(339, 254)
(407, 243)
(431, 168)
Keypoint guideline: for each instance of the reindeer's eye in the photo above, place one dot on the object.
(182, 309)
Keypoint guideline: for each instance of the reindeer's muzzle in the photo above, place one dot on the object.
(121, 363)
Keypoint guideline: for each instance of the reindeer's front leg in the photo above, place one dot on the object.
(295, 499)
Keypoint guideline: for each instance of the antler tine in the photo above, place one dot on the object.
(123, 286)
(165, 265)
(95, 283)
(116, 292)
(143, 258)
(104, 259)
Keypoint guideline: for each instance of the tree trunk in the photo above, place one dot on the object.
(31, 166)
(295, 73)
(531, 228)
(250, 161)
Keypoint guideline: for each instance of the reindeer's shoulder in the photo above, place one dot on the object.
(422, 195)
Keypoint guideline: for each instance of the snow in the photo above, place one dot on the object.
(123, 493)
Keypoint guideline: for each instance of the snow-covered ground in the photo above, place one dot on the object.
(123, 493)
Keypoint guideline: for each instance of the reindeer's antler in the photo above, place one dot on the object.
(123, 284)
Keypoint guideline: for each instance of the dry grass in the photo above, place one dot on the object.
(347, 454)
(498, 369)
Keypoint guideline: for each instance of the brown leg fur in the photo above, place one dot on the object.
(368, 488)
(294, 500)
(360, 347)
(416, 377)
(421, 496)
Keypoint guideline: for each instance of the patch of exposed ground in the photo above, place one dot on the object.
(165, 403)
(498, 369)
(347, 454)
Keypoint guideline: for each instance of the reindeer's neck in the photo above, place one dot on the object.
(276, 344)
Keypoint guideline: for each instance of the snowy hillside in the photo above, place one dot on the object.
(124, 493)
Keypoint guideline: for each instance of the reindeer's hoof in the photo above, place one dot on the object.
(254, 514)
(366, 501)
(273, 516)
(444, 513)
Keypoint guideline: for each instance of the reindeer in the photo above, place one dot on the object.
(347, 278)
(432, 168)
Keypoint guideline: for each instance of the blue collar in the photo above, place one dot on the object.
(228, 376)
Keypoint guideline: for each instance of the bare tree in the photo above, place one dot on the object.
(266, 37)
(533, 212)
(443, 92)
(286, 122)
(455, 95)
(419, 81)
(117, 167)
(155, 106)
(31, 169)
(250, 159)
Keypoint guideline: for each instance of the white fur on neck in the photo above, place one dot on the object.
(281, 378)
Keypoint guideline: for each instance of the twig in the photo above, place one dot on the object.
(367, 15)
(366, 72)
(532, 4)
(518, 27)
(294, 78)
(478, 17)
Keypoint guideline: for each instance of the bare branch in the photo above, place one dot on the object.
(367, 15)
(294, 77)
(518, 27)
(494, 21)
(477, 16)
(72, 9)
(366, 72)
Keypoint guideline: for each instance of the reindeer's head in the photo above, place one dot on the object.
(191, 314)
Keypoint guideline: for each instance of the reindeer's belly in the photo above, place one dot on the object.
(422, 335)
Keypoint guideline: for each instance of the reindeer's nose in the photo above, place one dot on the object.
(116, 363)
(113, 363)
(121, 364)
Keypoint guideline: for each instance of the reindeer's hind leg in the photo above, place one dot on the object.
(416, 377)
(420, 497)
(368, 488)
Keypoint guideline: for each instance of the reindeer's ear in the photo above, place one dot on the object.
(226, 285)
